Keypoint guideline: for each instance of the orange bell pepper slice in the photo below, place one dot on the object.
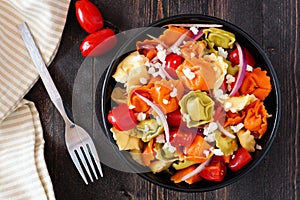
(195, 152)
(177, 177)
(256, 82)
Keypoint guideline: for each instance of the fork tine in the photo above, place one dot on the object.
(86, 151)
(93, 151)
(78, 166)
(84, 163)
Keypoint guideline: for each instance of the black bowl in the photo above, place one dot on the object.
(272, 104)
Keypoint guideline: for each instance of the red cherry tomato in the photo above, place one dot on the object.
(174, 60)
(88, 16)
(216, 170)
(181, 138)
(234, 57)
(241, 158)
(98, 43)
(174, 118)
(122, 118)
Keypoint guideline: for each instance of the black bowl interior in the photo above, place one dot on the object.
(272, 103)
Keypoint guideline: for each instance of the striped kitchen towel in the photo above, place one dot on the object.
(23, 172)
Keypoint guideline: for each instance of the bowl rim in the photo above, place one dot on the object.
(271, 69)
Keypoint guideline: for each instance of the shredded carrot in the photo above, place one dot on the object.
(256, 82)
(177, 177)
(256, 118)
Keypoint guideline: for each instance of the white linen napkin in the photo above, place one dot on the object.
(23, 172)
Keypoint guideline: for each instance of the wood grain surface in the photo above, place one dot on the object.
(274, 24)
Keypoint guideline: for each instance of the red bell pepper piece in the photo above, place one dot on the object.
(216, 170)
(241, 158)
(122, 118)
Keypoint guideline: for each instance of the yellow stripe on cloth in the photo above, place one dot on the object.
(46, 20)
(23, 172)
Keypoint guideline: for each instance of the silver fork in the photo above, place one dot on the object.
(79, 144)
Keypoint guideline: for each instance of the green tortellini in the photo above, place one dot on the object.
(163, 153)
(148, 129)
(197, 108)
(226, 144)
(219, 37)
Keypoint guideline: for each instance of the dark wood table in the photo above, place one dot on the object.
(273, 24)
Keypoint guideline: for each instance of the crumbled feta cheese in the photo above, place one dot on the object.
(141, 116)
(237, 128)
(159, 47)
(143, 80)
(186, 117)
(219, 94)
(160, 139)
(171, 148)
(212, 126)
(151, 70)
(249, 68)
(230, 79)
(210, 137)
(258, 147)
(165, 101)
(194, 30)
(187, 72)
(206, 153)
(175, 49)
(227, 105)
(174, 92)
(137, 58)
(158, 89)
(161, 55)
(131, 106)
(222, 52)
(193, 55)
(215, 68)
(218, 152)
(158, 120)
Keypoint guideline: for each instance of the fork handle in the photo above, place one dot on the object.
(43, 71)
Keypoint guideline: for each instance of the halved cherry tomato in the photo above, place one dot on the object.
(122, 118)
(234, 57)
(181, 138)
(241, 158)
(88, 16)
(174, 60)
(174, 118)
(98, 43)
(216, 170)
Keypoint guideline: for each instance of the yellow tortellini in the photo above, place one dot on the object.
(219, 37)
(125, 141)
(148, 129)
(247, 140)
(226, 144)
(197, 108)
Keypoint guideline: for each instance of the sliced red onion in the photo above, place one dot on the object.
(157, 40)
(196, 25)
(178, 42)
(197, 170)
(241, 75)
(198, 35)
(165, 72)
(224, 131)
(160, 114)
